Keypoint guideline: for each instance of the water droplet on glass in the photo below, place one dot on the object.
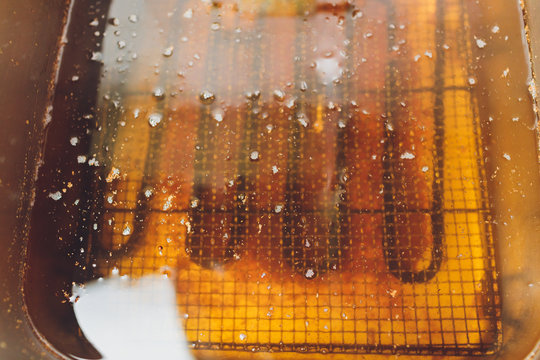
(279, 95)
(154, 119)
(127, 230)
(425, 169)
(302, 119)
(254, 155)
(133, 18)
(168, 51)
(113, 174)
(507, 156)
(96, 56)
(121, 44)
(480, 43)
(217, 114)
(253, 95)
(207, 97)
(357, 14)
(495, 29)
(407, 155)
(278, 208)
(472, 81)
(159, 93)
(215, 26)
(309, 274)
(74, 141)
(55, 195)
(242, 336)
(168, 203)
(188, 14)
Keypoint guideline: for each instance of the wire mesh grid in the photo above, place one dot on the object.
(312, 225)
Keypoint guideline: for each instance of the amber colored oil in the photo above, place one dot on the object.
(311, 176)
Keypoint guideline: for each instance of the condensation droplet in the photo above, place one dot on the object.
(168, 51)
(253, 95)
(357, 14)
(480, 43)
(207, 97)
(254, 155)
(159, 93)
(309, 274)
(279, 95)
(148, 192)
(188, 14)
(96, 56)
(154, 119)
(217, 114)
(55, 195)
(407, 155)
(127, 230)
(302, 119)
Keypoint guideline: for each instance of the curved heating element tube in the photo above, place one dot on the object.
(399, 251)
(216, 210)
(314, 225)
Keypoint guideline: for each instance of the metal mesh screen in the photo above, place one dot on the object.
(328, 206)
